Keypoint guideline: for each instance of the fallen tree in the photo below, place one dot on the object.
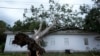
(57, 16)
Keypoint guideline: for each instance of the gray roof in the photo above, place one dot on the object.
(10, 32)
(73, 32)
(67, 32)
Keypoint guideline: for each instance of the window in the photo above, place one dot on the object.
(52, 41)
(66, 41)
(97, 38)
(10, 42)
(86, 41)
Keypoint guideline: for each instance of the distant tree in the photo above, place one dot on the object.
(18, 26)
(9, 28)
(31, 24)
(4, 26)
(26, 25)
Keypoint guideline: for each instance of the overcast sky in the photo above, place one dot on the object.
(12, 10)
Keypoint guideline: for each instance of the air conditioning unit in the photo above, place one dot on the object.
(97, 38)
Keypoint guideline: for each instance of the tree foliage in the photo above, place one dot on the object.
(17, 26)
(84, 8)
(2, 35)
(64, 16)
(92, 20)
(2, 26)
(27, 25)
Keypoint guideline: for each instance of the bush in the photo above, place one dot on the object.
(2, 38)
(95, 52)
(2, 47)
(2, 42)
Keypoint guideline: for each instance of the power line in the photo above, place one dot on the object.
(12, 8)
(16, 8)
(20, 1)
(30, 3)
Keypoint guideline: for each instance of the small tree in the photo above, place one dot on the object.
(2, 26)
(2, 35)
(92, 20)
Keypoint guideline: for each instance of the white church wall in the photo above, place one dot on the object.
(9, 47)
(71, 42)
(59, 43)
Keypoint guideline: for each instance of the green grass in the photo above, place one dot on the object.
(47, 54)
(63, 54)
(13, 54)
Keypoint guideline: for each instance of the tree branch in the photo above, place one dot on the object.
(47, 29)
(37, 31)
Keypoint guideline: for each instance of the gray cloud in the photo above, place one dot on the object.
(6, 18)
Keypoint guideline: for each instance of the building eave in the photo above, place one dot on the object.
(74, 32)
(66, 32)
(10, 32)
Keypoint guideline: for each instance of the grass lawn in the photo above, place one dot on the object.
(47, 54)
